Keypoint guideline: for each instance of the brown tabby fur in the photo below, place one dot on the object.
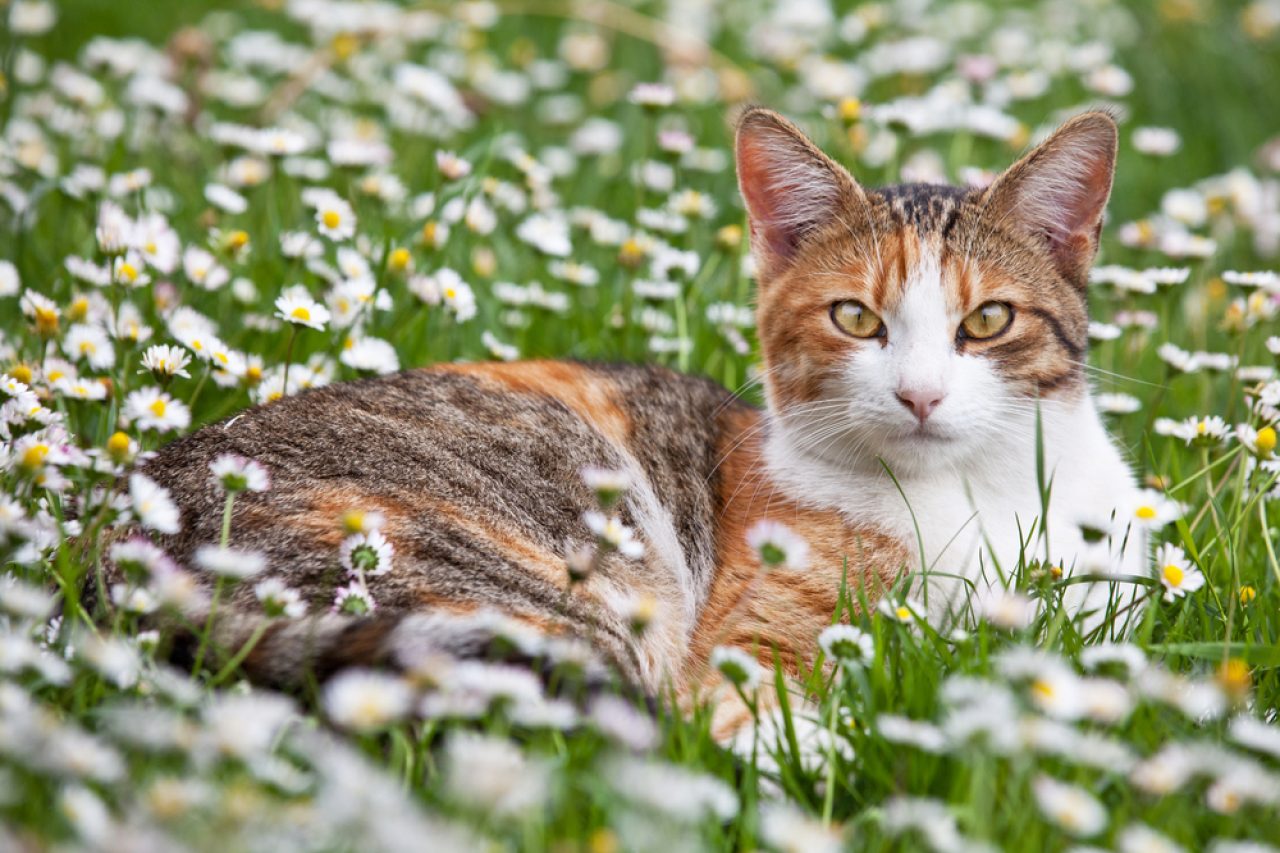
(477, 466)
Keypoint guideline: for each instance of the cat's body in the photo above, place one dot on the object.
(923, 352)
(476, 469)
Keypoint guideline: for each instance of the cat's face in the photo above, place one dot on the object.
(921, 324)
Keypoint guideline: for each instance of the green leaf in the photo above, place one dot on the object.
(1252, 654)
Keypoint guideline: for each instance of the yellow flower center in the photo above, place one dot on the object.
(128, 272)
(450, 293)
(158, 407)
(301, 313)
(151, 247)
(87, 347)
(1266, 440)
(902, 613)
(35, 455)
(331, 219)
(1146, 513)
(237, 239)
(1173, 574)
(850, 109)
(400, 259)
(118, 444)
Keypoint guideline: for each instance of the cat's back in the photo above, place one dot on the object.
(477, 470)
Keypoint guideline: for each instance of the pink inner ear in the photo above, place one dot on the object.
(788, 188)
(766, 199)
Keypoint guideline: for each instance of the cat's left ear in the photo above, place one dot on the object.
(1058, 192)
(791, 188)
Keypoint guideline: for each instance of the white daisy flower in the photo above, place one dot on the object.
(301, 310)
(278, 599)
(1156, 141)
(1176, 573)
(151, 408)
(353, 599)
(848, 644)
(1151, 510)
(90, 343)
(363, 700)
(738, 667)
(778, 545)
(236, 473)
(234, 563)
(610, 531)
(335, 219)
(366, 554)
(164, 361)
(1072, 808)
(153, 505)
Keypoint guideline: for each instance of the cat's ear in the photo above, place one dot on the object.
(791, 188)
(1058, 192)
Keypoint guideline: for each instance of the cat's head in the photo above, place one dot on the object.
(921, 324)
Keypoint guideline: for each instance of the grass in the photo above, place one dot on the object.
(100, 740)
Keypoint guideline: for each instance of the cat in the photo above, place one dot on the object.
(923, 346)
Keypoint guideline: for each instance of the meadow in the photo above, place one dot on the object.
(431, 182)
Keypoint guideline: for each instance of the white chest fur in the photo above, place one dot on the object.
(970, 525)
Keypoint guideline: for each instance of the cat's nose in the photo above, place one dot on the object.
(921, 401)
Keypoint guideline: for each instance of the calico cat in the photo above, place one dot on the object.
(922, 345)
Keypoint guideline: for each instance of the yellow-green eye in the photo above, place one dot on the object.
(857, 319)
(989, 320)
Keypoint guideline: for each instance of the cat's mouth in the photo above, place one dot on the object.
(924, 432)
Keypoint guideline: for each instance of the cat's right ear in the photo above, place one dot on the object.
(790, 187)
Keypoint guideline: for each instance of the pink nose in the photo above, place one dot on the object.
(921, 402)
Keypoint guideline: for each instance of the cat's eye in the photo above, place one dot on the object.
(989, 320)
(857, 319)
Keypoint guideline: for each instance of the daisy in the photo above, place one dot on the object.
(611, 532)
(153, 505)
(363, 700)
(777, 545)
(1259, 442)
(905, 612)
(451, 166)
(353, 600)
(301, 310)
(366, 554)
(1151, 510)
(1073, 808)
(236, 474)
(279, 600)
(847, 644)
(1006, 608)
(652, 95)
(233, 563)
(151, 408)
(165, 361)
(1156, 141)
(91, 344)
(1176, 573)
(335, 219)
(203, 270)
(608, 484)
(226, 199)
(10, 283)
(371, 354)
(738, 667)
(1201, 432)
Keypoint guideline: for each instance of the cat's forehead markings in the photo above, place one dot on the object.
(928, 208)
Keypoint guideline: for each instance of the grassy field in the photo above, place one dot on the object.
(498, 190)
